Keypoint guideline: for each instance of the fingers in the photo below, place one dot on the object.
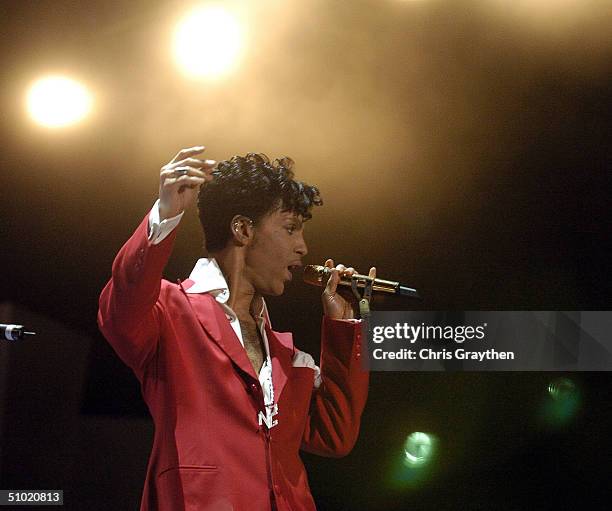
(185, 153)
(206, 165)
(188, 182)
(181, 179)
(184, 164)
(194, 166)
(343, 271)
(185, 171)
(171, 175)
(340, 302)
(335, 274)
(334, 278)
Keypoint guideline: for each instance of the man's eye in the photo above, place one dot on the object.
(290, 229)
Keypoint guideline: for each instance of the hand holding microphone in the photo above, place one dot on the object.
(337, 304)
(341, 276)
(317, 275)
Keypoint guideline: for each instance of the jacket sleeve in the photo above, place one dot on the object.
(130, 312)
(332, 426)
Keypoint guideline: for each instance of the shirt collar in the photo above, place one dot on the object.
(207, 277)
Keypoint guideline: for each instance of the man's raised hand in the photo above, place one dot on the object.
(180, 181)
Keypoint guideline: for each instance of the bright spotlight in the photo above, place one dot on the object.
(416, 463)
(208, 42)
(418, 449)
(57, 101)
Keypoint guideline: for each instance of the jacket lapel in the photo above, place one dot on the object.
(213, 320)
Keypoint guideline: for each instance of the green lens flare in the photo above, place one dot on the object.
(562, 403)
(418, 449)
(561, 388)
(413, 466)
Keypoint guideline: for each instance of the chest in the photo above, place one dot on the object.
(253, 343)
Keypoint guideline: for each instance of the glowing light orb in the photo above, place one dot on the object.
(562, 404)
(561, 388)
(418, 449)
(57, 101)
(208, 42)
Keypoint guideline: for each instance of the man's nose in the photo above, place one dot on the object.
(301, 248)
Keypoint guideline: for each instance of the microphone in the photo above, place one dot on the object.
(318, 275)
(14, 332)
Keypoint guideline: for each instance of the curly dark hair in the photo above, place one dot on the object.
(252, 186)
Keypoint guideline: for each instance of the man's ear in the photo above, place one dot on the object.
(241, 228)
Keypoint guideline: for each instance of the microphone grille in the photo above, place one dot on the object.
(315, 274)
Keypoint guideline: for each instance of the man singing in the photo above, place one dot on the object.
(232, 400)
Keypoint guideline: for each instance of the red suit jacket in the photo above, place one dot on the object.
(209, 451)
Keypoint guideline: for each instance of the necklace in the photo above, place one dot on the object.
(271, 406)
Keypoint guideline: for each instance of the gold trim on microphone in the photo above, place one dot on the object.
(317, 276)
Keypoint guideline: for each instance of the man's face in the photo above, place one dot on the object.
(277, 248)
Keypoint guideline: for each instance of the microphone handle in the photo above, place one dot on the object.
(385, 286)
(381, 285)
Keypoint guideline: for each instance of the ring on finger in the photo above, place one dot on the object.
(181, 171)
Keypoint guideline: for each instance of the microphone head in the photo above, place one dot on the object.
(315, 274)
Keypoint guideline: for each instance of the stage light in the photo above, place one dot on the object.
(415, 465)
(418, 449)
(58, 101)
(561, 388)
(208, 42)
(562, 403)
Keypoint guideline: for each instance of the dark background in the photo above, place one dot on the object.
(463, 147)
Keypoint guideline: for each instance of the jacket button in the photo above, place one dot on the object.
(253, 388)
(358, 355)
(141, 251)
(277, 488)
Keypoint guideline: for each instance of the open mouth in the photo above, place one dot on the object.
(292, 268)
